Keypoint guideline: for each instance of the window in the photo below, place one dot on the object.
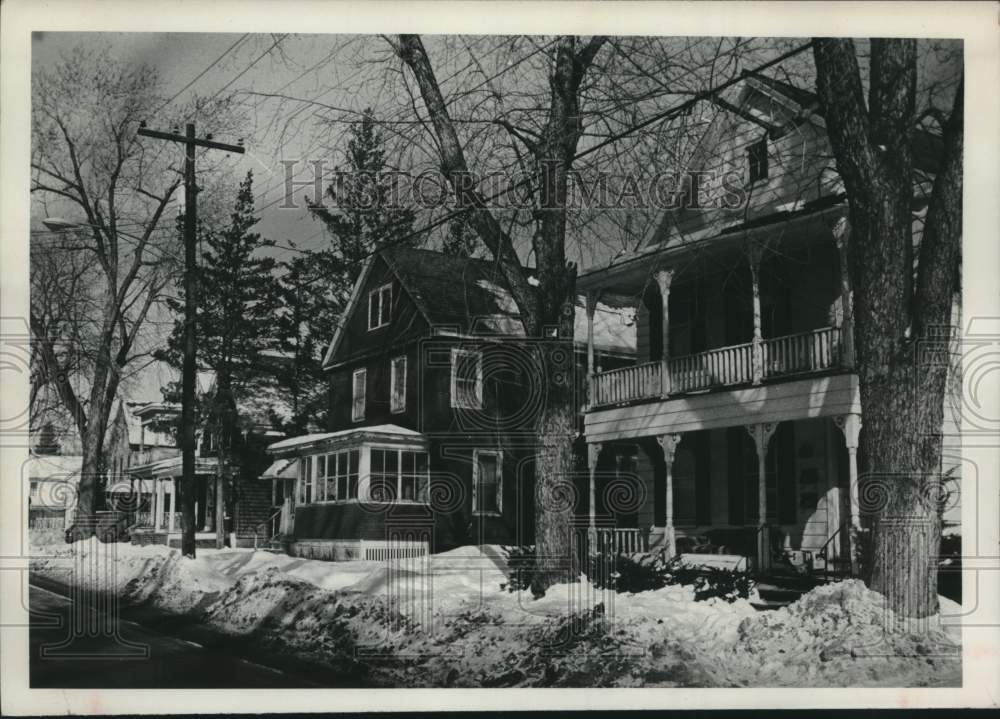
(486, 482)
(305, 493)
(347, 474)
(757, 160)
(399, 474)
(466, 379)
(379, 306)
(319, 487)
(358, 403)
(397, 385)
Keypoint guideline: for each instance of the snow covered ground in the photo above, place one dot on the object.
(448, 620)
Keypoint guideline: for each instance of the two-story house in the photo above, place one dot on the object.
(740, 419)
(246, 497)
(434, 392)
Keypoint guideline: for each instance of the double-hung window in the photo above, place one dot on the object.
(358, 382)
(379, 306)
(487, 485)
(397, 385)
(466, 378)
(399, 474)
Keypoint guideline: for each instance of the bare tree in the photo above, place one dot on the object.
(86, 160)
(552, 303)
(897, 316)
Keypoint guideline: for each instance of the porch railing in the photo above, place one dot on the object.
(268, 529)
(628, 383)
(712, 368)
(812, 351)
(621, 541)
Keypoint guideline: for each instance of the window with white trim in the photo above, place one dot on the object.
(397, 384)
(487, 481)
(399, 475)
(358, 381)
(379, 306)
(466, 378)
(336, 477)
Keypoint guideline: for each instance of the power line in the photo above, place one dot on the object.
(201, 74)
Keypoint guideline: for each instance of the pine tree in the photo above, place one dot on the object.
(238, 300)
(366, 215)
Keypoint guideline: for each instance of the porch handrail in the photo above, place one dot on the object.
(270, 521)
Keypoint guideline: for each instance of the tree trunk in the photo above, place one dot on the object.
(901, 332)
(553, 303)
(556, 503)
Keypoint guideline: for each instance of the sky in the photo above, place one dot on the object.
(295, 96)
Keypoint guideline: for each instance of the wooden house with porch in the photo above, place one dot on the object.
(247, 499)
(739, 420)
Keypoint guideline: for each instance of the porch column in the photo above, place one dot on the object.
(761, 435)
(845, 318)
(850, 425)
(158, 503)
(593, 453)
(669, 442)
(663, 280)
(591, 301)
(173, 503)
(755, 254)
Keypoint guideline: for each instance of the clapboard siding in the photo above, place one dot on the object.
(801, 399)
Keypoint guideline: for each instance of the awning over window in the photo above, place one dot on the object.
(285, 468)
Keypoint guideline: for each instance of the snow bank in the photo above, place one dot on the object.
(448, 620)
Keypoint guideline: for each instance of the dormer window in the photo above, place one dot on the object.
(379, 306)
(757, 160)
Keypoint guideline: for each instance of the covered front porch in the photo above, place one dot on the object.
(758, 473)
(158, 518)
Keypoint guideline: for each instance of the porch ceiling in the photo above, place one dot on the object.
(625, 278)
(784, 401)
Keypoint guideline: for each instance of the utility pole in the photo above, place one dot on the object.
(187, 488)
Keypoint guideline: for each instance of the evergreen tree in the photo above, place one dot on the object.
(238, 299)
(366, 215)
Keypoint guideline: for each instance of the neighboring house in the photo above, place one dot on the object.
(740, 420)
(434, 391)
(53, 480)
(248, 500)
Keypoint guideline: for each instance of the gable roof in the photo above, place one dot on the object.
(453, 291)
(466, 295)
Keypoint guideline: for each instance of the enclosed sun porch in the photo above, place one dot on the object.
(740, 338)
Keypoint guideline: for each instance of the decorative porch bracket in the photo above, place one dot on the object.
(664, 278)
(668, 443)
(593, 453)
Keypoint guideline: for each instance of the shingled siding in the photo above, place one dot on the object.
(252, 508)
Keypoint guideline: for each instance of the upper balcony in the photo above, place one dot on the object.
(812, 352)
(762, 306)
